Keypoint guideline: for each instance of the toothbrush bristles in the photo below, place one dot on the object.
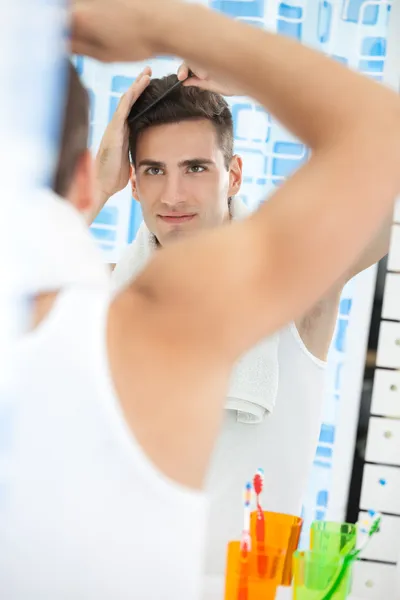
(258, 481)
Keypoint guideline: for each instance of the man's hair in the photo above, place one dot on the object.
(75, 131)
(182, 104)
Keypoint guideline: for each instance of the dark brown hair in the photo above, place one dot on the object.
(75, 131)
(181, 104)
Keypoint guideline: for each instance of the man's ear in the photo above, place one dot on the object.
(235, 175)
(82, 189)
(132, 179)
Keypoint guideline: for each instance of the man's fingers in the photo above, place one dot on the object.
(146, 71)
(200, 73)
(140, 83)
(183, 72)
(135, 90)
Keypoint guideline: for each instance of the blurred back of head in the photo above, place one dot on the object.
(75, 131)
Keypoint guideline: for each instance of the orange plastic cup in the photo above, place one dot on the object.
(280, 531)
(242, 581)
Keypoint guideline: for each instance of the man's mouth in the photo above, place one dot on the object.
(176, 218)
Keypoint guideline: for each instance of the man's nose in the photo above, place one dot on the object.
(173, 193)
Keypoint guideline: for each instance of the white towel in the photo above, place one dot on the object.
(254, 382)
(61, 252)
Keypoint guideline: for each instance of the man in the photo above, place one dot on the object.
(186, 176)
(100, 505)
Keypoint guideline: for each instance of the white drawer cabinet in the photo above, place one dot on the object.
(383, 441)
(381, 489)
(388, 354)
(394, 251)
(377, 575)
(373, 581)
(386, 393)
(385, 545)
(391, 297)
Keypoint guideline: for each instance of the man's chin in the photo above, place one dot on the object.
(175, 234)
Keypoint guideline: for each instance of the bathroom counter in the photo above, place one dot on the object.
(214, 590)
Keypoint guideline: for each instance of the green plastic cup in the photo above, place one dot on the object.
(314, 573)
(328, 537)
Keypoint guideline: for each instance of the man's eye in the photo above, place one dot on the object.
(153, 171)
(196, 169)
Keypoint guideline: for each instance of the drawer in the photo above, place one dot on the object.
(383, 441)
(381, 489)
(386, 393)
(385, 545)
(391, 297)
(388, 354)
(394, 252)
(373, 580)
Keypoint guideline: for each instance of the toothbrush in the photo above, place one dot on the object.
(258, 484)
(245, 547)
(350, 557)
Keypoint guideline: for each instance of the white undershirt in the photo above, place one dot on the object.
(84, 515)
(284, 445)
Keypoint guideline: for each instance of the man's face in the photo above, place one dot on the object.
(181, 179)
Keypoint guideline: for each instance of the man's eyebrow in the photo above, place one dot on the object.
(189, 162)
(148, 162)
(196, 161)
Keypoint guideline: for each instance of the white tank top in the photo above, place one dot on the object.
(83, 513)
(284, 445)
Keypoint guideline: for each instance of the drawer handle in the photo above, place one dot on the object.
(369, 583)
(393, 388)
(388, 435)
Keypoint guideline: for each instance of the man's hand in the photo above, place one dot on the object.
(112, 160)
(117, 30)
(201, 79)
